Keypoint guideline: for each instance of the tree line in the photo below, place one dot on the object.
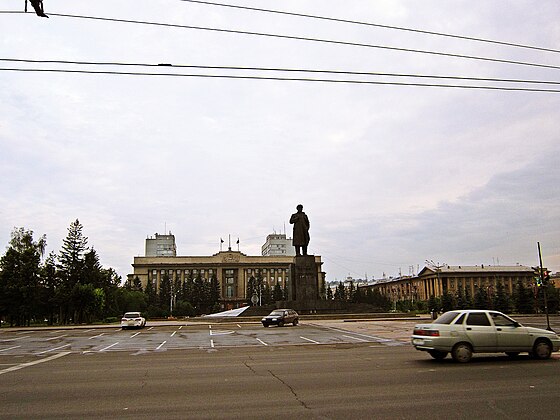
(70, 286)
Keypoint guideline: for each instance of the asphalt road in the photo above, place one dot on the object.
(350, 379)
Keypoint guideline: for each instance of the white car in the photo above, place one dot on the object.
(464, 332)
(133, 320)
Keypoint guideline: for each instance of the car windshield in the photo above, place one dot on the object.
(276, 313)
(446, 318)
(132, 315)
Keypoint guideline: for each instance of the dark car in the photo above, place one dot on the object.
(281, 317)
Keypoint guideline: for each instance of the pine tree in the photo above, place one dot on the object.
(71, 256)
(501, 299)
(329, 293)
(481, 298)
(277, 294)
(164, 292)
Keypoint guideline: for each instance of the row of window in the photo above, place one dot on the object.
(228, 272)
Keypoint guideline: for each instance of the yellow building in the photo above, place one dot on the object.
(233, 269)
(435, 282)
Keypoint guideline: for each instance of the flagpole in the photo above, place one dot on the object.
(229, 243)
(237, 244)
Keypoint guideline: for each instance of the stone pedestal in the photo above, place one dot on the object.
(305, 279)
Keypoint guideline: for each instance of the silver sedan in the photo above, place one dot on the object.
(464, 332)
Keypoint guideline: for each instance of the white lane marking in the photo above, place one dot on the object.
(55, 338)
(209, 327)
(151, 328)
(262, 342)
(356, 338)
(180, 327)
(56, 348)
(14, 339)
(9, 348)
(221, 332)
(239, 325)
(161, 345)
(86, 331)
(308, 339)
(211, 343)
(174, 332)
(134, 335)
(95, 336)
(36, 362)
(382, 340)
(25, 332)
(108, 347)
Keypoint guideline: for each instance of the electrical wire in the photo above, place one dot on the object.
(377, 25)
(216, 76)
(309, 39)
(285, 70)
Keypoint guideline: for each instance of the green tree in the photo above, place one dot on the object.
(50, 281)
(501, 298)
(71, 256)
(481, 298)
(20, 272)
(350, 292)
(164, 293)
(214, 290)
(277, 294)
(460, 298)
(468, 298)
(523, 299)
(329, 293)
(447, 302)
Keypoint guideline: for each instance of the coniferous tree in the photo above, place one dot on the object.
(523, 299)
(447, 302)
(71, 256)
(329, 293)
(481, 298)
(164, 293)
(460, 298)
(277, 294)
(214, 290)
(501, 299)
(468, 298)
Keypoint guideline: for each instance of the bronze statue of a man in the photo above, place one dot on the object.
(300, 237)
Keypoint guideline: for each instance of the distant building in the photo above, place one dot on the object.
(435, 282)
(161, 246)
(232, 269)
(278, 244)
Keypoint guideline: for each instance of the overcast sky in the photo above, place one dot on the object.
(390, 176)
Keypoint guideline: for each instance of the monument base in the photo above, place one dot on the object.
(305, 279)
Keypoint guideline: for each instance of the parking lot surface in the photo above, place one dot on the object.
(44, 342)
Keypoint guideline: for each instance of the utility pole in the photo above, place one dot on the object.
(544, 286)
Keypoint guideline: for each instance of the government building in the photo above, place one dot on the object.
(436, 281)
(232, 269)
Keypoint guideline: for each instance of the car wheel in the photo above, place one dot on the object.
(281, 323)
(512, 353)
(265, 325)
(438, 355)
(542, 350)
(462, 353)
(295, 322)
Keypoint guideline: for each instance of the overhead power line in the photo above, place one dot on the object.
(299, 79)
(281, 70)
(377, 25)
(309, 39)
